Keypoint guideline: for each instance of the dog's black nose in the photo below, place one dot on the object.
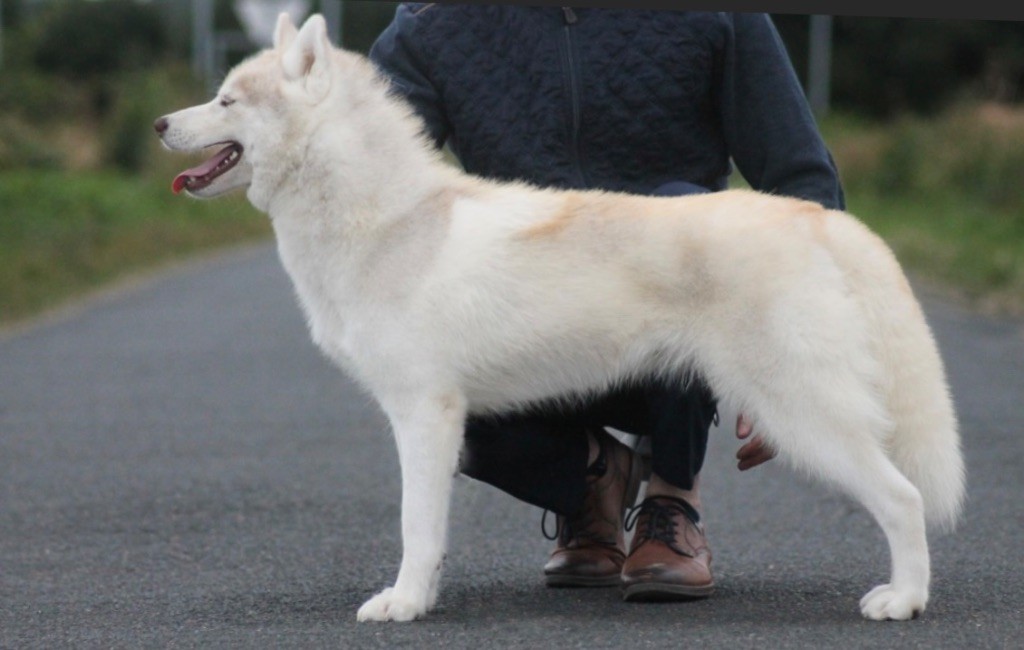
(160, 125)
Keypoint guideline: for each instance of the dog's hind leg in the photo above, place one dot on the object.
(836, 445)
(897, 506)
(429, 434)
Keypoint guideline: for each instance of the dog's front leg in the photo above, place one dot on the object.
(429, 434)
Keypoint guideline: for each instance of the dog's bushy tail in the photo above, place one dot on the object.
(925, 441)
(925, 444)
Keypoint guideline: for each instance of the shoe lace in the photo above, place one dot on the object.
(579, 528)
(661, 521)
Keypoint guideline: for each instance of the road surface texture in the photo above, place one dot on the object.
(181, 468)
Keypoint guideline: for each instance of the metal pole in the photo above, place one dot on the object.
(819, 64)
(203, 63)
(1, 33)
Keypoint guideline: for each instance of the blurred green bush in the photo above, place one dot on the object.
(974, 150)
(21, 146)
(82, 39)
(884, 67)
(128, 141)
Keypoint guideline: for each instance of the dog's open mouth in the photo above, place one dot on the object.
(202, 175)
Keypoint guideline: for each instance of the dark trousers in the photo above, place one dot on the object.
(540, 455)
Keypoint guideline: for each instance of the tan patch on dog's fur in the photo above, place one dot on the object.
(252, 86)
(571, 208)
(247, 86)
(812, 214)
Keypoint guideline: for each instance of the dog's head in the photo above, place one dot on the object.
(260, 116)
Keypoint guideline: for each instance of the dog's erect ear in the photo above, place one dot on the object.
(308, 57)
(284, 32)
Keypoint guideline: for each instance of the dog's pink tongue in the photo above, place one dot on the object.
(181, 180)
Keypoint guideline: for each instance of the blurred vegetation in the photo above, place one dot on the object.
(884, 67)
(84, 184)
(64, 233)
(927, 128)
(946, 192)
(75, 38)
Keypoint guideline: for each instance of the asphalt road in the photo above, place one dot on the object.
(179, 467)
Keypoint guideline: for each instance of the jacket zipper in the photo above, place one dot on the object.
(574, 92)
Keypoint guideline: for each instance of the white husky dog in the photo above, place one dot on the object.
(446, 294)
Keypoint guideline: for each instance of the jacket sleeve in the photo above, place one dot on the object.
(396, 54)
(769, 128)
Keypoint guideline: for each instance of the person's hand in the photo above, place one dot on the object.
(755, 451)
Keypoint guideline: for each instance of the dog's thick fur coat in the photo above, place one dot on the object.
(445, 294)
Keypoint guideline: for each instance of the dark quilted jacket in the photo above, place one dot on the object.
(618, 99)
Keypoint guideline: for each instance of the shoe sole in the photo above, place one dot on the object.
(660, 592)
(571, 581)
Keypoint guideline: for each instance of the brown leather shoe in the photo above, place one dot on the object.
(669, 558)
(591, 546)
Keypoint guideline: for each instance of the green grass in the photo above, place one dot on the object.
(954, 242)
(946, 193)
(64, 233)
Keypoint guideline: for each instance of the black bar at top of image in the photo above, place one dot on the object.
(974, 10)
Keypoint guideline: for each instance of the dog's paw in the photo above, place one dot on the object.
(389, 605)
(886, 603)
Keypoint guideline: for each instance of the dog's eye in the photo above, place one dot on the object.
(226, 101)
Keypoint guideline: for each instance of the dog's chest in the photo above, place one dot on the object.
(345, 323)
(313, 277)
